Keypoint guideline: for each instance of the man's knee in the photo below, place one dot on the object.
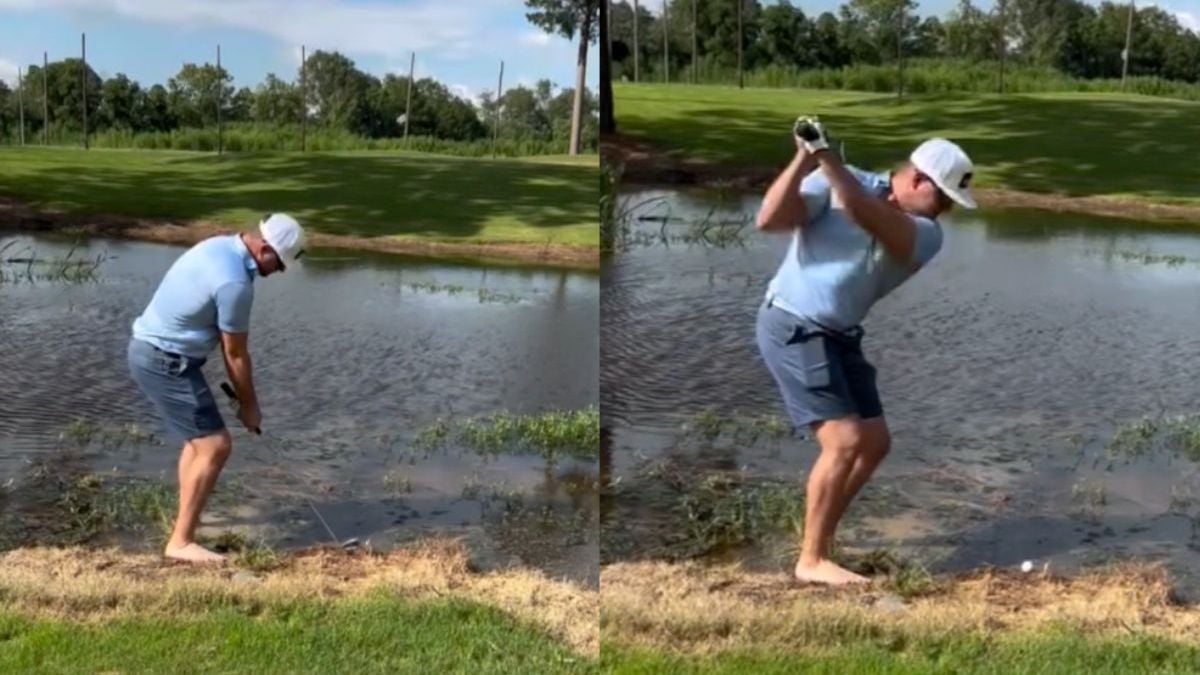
(216, 446)
(852, 438)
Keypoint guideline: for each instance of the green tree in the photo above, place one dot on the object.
(276, 102)
(157, 113)
(195, 92)
(570, 18)
(335, 88)
(121, 100)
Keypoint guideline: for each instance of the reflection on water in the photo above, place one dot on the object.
(1005, 367)
(353, 355)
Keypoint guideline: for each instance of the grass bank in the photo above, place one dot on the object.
(412, 610)
(1103, 153)
(540, 210)
(665, 618)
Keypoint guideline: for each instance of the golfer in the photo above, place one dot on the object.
(855, 236)
(204, 299)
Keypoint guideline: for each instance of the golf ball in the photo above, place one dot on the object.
(1027, 566)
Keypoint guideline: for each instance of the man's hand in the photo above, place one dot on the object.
(810, 135)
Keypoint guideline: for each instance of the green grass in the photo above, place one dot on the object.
(374, 635)
(1079, 144)
(368, 194)
(952, 654)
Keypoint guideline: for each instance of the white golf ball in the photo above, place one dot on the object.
(1027, 566)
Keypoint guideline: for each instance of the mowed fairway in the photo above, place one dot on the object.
(366, 194)
(1071, 144)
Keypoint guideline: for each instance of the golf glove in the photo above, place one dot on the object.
(810, 132)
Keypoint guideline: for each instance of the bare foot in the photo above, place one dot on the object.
(828, 573)
(193, 553)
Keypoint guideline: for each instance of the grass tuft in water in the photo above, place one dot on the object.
(722, 511)
(1178, 435)
(742, 429)
(24, 266)
(553, 434)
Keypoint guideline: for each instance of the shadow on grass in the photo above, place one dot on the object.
(1075, 145)
(365, 195)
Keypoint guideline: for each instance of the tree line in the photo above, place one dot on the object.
(1072, 36)
(336, 95)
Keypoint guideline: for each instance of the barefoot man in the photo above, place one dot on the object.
(855, 236)
(204, 299)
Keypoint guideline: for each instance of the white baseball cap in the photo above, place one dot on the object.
(284, 235)
(949, 168)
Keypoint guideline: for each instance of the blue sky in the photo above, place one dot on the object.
(459, 42)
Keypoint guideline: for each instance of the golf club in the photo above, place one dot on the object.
(347, 545)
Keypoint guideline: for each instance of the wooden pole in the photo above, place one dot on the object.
(220, 95)
(695, 52)
(45, 100)
(21, 106)
(83, 78)
(636, 67)
(666, 43)
(1003, 5)
(412, 66)
(303, 101)
(1128, 37)
(741, 77)
(499, 97)
(900, 46)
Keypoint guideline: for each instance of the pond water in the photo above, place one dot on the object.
(354, 356)
(1017, 372)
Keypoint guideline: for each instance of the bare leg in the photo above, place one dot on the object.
(840, 441)
(875, 444)
(200, 464)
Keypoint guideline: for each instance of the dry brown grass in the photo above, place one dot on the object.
(86, 584)
(701, 609)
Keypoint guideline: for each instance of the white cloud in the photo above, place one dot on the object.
(1189, 20)
(464, 91)
(537, 38)
(8, 72)
(373, 27)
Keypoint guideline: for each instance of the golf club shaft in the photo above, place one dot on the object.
(228, 389)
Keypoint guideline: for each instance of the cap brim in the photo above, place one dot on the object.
(960, 195)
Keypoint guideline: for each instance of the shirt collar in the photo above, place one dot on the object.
(247, 259)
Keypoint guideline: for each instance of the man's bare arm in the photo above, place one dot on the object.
(783, 208)
(235, 348)
(894, 229)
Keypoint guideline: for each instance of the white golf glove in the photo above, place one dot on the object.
(810, 133)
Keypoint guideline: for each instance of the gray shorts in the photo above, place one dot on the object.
(822, 374)
(178, 390)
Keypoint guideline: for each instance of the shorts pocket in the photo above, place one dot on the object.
(811, 351)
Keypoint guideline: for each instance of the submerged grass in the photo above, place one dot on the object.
(1179, 435)
(552, 434)
(23, 265)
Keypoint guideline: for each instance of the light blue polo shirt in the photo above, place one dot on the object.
(834, 270)
(207, 291)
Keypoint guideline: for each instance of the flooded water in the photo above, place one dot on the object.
(354, 356)
(1006, 368)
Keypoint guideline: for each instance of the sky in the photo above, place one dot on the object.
(1187, 11)
(458, 42)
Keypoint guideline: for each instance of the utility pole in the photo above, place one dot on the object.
(499, 99)
(1125, 53)
(741, 77)
(21, 105)
(220, 95)
(412, 66)
(636, 49)
(695, 52)
(45, 100)
(83, 83)
(666, 44)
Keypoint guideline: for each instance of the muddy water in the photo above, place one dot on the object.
(1006, 368)
(353, 357)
